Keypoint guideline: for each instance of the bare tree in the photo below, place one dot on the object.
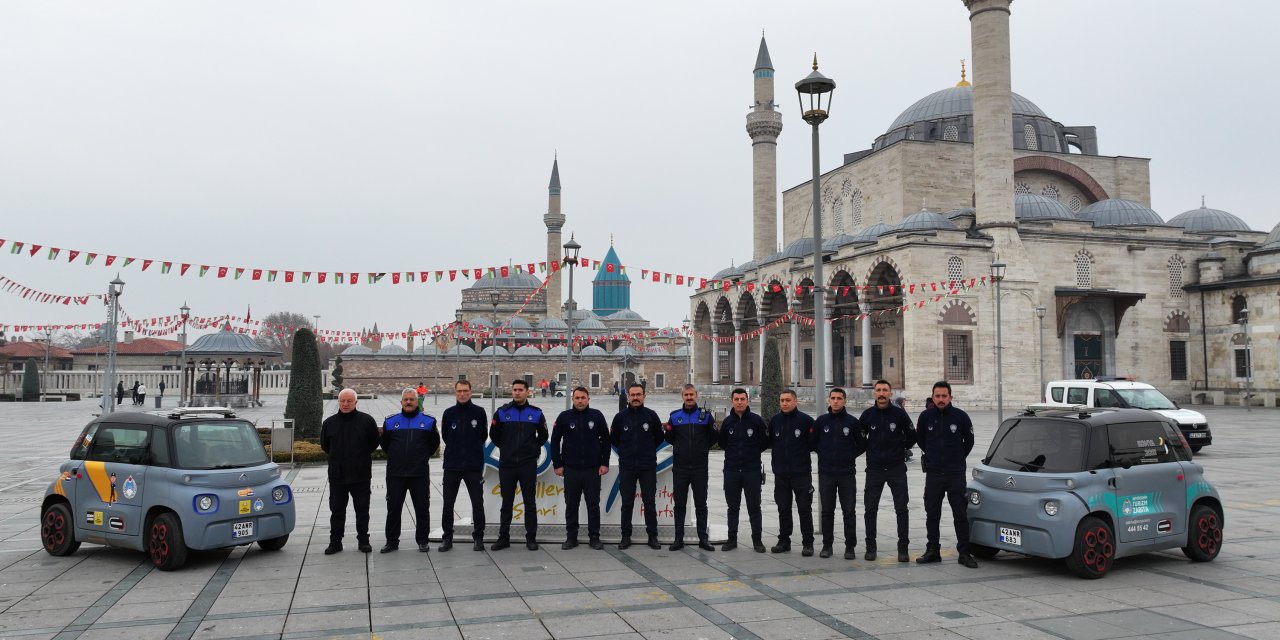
(278, 328)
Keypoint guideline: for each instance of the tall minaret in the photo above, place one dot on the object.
(554, 221)
(763, 125)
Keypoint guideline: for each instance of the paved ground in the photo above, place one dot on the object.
(301, 593)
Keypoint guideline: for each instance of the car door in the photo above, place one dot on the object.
(109, 495)
(1149, 496)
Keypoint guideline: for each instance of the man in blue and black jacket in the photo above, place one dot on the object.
(690, 430)
(838, 440)
(889, 432)
(743, 435)
(580, 454)
(519, 430)
(945, 435)
(410, 439)
(636, 433)
(791, 436)
(464, 428)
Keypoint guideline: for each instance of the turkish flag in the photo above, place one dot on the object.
(222, 272)
(288, 276)
(257, 274)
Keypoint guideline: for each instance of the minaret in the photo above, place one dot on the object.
(763, 125)
(554, 221)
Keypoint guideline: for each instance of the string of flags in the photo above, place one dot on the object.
(10, 285)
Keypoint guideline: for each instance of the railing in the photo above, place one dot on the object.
(89, 383)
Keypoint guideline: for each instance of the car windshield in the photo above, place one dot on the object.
(1146, 399)
(1038, 446)
(218, 445)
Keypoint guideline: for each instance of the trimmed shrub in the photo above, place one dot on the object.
(31, 380)
(305, 404)
(770, 380)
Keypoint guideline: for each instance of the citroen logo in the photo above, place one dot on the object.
(244, 476)
(1008, 482)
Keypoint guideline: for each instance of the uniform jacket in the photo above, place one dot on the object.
(350, 440)
(791, 436)
(464, 428)
(889, 433)
(519, 431)
(743, 438)
(580, 440)
(410, 441)
(946, 438)
(636, 433)
(837, 437)
(690, 434)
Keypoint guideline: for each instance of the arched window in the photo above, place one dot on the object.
(1029, 134)
(855, 208)
(846, 188)
(1239, 304)
(1075, 204)
(1176, 267)
(1050, 191)
(1084, 270)
(951, 133)
(955, 268)
(837, 215)
(1021, 188)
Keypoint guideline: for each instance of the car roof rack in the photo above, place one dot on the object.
(187, 412)
(1082, 409)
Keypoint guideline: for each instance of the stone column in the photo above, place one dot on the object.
(867, 382)
(829, 303)
(737, 352)
(795, 352)
(715, 355)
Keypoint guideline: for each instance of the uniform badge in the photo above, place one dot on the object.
(748, 432)
(731, 431)
(455, 425)
(892, 427)
(824, 430)
(873, 426)
(473, 424)
(953, 428)
(130, 488)
(626, 427)
(591, 424)
(930, 427)
(573, 425)
(646, 426)
(846, 431)
(531, 417)
(797, 433)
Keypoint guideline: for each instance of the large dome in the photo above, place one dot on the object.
(952, 102)
(947, 115)
(1205, 220)
(925, 220)
(513, 280)
(1117, 212)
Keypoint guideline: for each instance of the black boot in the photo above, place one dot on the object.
(931, 555)
(729, 545)
(783, 546)
(758, 545)
(446, 544)
(705, 545)
(625, 543)
(654, 544)
(903, 556)
(676, 545)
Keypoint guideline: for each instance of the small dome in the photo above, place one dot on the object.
(925, 220)
(657, 350)
(488, 351)
(872, 233)
(593, 350)
(773, 257)
(1272, 240)
(626, 314)
(591, 324)
(557, 351)
(528, 350)
(513, 280)
(682, 351)
(552, 324)
(517, 323)
(837, 241)
(357, 350)
(393, 350)
(461, 349)
(480, 321)
(583, 314)
(625, 351)
(1205, 220)
(802, 248)
(1026, 206)
(728, 273)
(964, 211)
(748, 265)
(1117, 212)
(427, 349)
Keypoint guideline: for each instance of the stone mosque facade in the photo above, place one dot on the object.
(1096, 283)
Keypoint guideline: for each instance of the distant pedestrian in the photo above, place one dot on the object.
(120, 392)
(161, 388)
(142, 394)
(134, 392)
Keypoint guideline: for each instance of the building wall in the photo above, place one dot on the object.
(390, 374)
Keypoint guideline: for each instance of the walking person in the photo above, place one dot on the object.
(142, 394)
(636, 433)
(463, 429)
(409, 439)
(889, 432)
(839, 441)
(161, 388)
(791, 437)
(519, 430)
(120, 392)
(743, 436)
(349, 437)
(690, 430)
(134, 392)
(580, 454)
(946, 438)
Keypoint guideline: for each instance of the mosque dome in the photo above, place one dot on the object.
(657, 350)
(773, 257)
(953, 102)
(748, 266)
(513, 280)
(728, 273)
(528, 350)
(427, 349)
(1026, 206)
(1206, 220)
(461, 349)
(802, 248)
(626, 314)
(393, 350)
(1117, 212)
(480, 321)
(872, 233)
(357, 350)
(837, 241)
(518, 323)
(1272, 240)
(925, 220)
(624, 350)
(552, 324)
(593, 350)
(591, 324)
(559, 350)
(584, 314)
(488, 351)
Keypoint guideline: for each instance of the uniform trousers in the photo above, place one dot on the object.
(876, 480)
(952, 485)
(339, 494)
(797, 487)
(527, 477)
(475, 488)
(683, 480)
(580, 484)
(737, 483)
(419, 490)
(628, 477)
(843, 487)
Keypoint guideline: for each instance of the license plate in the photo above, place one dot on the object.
(1196, 435)
(1011, 536)
(242, 529)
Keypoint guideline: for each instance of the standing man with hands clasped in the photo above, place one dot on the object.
(637, 433)
(519, 430)
(690, 430)
(410, 439)
(464, 430)
(791, 436)
(888, 431)
(946, 438)
(838, 439)
(580, 454)
(349, 437)
(743, 436)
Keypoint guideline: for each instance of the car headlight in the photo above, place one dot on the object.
(281, 494)
(976, 473)
(1051, 507)
(975, 498)
(205, 503)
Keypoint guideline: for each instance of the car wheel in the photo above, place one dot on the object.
(164, 542)
(983, 551)
(1204, 534)
(57, 532)
(273, 544)
(1094, 551)
(1196, 449)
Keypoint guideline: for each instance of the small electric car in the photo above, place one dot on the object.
(1089, 486)
(196, 478)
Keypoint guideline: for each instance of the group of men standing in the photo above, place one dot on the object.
(582, 443)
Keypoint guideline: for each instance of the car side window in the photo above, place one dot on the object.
(1181, 450)
(160, 448)
(1056, 393)
(1099, 454)
(120, 443)
(1077, 395)
(1139, 443)
(1106, 398)
(81, 447)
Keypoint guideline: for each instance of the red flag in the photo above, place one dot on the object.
(395, 277)
(679, 279)
(222, 272)
(555, 266)
(288, 276)
(320, 276)
(479, 273)
(72, 255)
(257, 274)
(35, 248)
(182, 271)
(453, 273)
(355, 277)
(110, 259)
(505, 272)
(146, 263)
(608, 267)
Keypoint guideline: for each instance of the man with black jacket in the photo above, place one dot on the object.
(410, 439)
(791, 437)
(580, 454)
(946, 438)
(889, 432)
(519, 430)
(690, 430)
(742, 436)
(838, 440)
(464, 431)
(637, 432)
(349, 437)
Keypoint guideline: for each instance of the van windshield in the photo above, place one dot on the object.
(218, 445)
(1038, 446)
(1146, 399)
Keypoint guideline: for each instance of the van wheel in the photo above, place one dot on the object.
(983, 551)
(273, 544)
(1094, 551)
(57, 531)
(1196, 449)
(1204, 534)
(164, 542)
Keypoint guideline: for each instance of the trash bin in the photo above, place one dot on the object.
(158, 399)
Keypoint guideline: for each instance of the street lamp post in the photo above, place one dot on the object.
(997, 274)
(493, 368)
(571, 249)
(688, 352)
(109, 376)
(1040, 311)
(816, 86)
(1248, 361)
(182, 364)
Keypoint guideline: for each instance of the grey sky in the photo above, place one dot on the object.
(364, 136)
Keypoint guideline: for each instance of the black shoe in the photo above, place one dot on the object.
(569, 544)
(968, 561)
(333, 548)
(654, 544)
(365, 547)
(781, 547)
(676, 546)
(729, 546)
(848, 553)
(806, 550)
(903, 556)
(930, 556)
(424, 548)
(596, 544)
(389, 547)
(446, 544)
(500, 544)
(826, 551)
(705, 545)
(758, 546)
(479, 545)
(870, 555)
(531, 545)
(625, 543)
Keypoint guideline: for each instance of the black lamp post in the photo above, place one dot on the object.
(815, 110)
(571, 249)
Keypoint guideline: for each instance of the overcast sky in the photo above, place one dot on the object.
(363, 136)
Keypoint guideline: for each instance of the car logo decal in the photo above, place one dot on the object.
(1008, 482)
(244, 477)
(247, 492)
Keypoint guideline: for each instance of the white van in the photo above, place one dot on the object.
(1111, 392)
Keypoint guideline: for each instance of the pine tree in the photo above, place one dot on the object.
(336, 375)
(305, 404)
(771, 379)
(30, 380)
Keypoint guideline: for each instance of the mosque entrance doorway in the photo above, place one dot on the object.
(1088, 351)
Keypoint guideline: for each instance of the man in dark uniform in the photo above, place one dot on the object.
(349, 437)
(410, 439)
(888, 431)
(791, 437)
(464, 431)
(946, 438)
(519, 430)
(838, 439)
(580, 454)
(637, 433)
(690, 430)
(742, 437)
